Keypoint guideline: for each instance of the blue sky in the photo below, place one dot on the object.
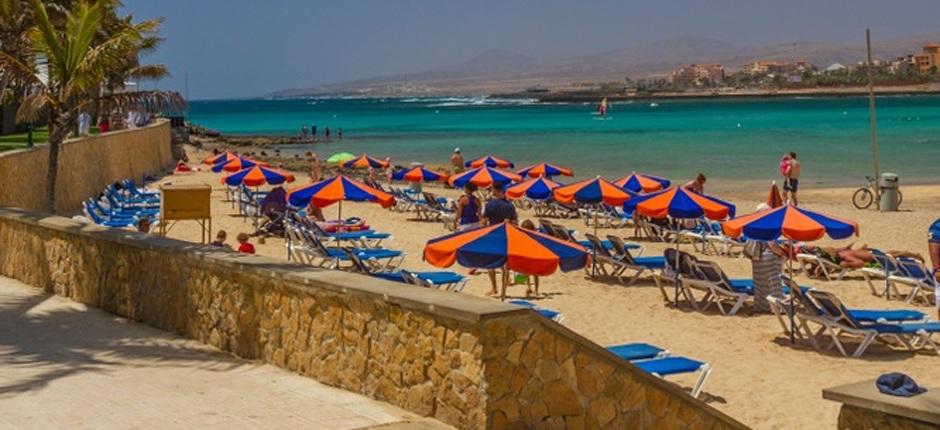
(246, 48)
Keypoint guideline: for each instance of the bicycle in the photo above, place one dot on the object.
(865, 196)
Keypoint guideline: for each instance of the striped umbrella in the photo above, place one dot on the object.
(337, 189)
(544, 169)
(790, 222)
(363, 161)
(638, 182)
(237, 164)
(794, 224)
(490, 161)
(483, 177)
(593, 191)
(536, 189)
(419, 174)
(506, 245)
(215, 159)
(677, 202)
(257, 176)
(774, 199)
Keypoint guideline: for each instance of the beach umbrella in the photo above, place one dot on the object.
(339, 157)
(508, 246)
(363, 161)
(218, 158)
(535, 189)
(483, 177)
(774, 199)
(419, 174)
(793, 224)
(544, 169)
(680, 203)
(337, 189)
(490, 161)
(638, 182)
(237, 164)
(257, 176)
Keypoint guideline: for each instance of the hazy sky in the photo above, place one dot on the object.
(246, 48)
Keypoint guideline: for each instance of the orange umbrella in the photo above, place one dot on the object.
(774, 199)
(216, 159)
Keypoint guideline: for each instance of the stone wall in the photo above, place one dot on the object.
(856, 418)
(469, 362)
(86, 166)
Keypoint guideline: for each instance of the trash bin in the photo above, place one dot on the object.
(888, 188)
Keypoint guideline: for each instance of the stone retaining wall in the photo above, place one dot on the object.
(86, 166)
(466, 361)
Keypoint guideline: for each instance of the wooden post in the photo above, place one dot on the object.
(873, 119)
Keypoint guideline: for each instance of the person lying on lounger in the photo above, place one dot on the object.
(849, 258)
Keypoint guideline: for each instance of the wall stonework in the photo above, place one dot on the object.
(466, 361)
(86, 166)
(856, 418)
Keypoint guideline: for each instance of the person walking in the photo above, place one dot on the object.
(456, 160)
(767, 266)
(791, 178)
(326, 132)
(499, 210)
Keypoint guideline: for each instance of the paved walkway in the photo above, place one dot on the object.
(64, 365)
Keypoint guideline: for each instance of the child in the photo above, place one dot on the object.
(529, 225)
(244, 245)
(220, 239)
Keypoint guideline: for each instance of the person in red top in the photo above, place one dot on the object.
(244, 245)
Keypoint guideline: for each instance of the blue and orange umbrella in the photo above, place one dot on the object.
(638, 182)
(337, 189)
(419, 174)
(257, 176)
(544, 169)
(536, 189)
(677, 202)
(596, 190)
(490, 161)
(506, 245)
(483, 177)
(237, 164)
(363, 161)
(774, 199)
(215, 159)
(791, 223)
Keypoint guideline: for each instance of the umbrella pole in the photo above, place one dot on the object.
(678, 273)
(339, 211)
(594, 263)
(792, 310)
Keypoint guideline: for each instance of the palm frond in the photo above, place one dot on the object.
(32, 105)
(17, 71)
(149, 71)
(148, 101)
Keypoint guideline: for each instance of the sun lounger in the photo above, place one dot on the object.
(719, 289)
(91, 212)
(722, 244)
(547, 313)
(915, 275)
(621, 263)
(661, 363)
(309, 249)
(448, 281)
(138, 192)
(911, 335)
(886, 267)
(809, 263)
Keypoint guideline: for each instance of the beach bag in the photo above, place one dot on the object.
(754, 250)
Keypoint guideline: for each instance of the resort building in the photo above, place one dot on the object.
(777, 67)
(697, 74)
(929, 60)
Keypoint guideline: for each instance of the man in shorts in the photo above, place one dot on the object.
(496, 211)
(792, 181)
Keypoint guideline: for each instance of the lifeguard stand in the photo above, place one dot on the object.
(186, 202)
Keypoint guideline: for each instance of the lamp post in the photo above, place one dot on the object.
(29, 135)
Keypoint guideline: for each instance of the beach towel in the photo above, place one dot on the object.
(898, 384)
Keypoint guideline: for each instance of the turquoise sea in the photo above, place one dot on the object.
(725, 139)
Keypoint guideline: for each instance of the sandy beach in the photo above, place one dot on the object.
(759, 377)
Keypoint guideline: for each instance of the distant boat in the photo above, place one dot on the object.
(654, 104)
(602, 107)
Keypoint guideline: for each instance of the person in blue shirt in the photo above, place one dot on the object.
(469, 209)
(499, 210)
(933, 243)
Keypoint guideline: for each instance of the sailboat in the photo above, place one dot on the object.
(602, 107)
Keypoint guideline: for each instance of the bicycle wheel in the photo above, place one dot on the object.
(900, 197)
(863, 198)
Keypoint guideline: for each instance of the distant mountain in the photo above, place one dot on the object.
(498, 70)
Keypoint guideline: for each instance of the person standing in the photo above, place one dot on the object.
(469, 209)
(499, 210)
(339, 134)
(313, 132)
(326, 132)
(456, 160)
(933, 244)
(314, 167)
(791, 180)
(303, 132)
(767, 266)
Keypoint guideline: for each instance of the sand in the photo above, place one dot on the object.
(759, 377)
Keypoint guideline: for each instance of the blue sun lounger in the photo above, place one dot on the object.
(449, 281)
(547, 313)
(657, 361)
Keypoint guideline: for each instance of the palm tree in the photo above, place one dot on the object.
(80, 62)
